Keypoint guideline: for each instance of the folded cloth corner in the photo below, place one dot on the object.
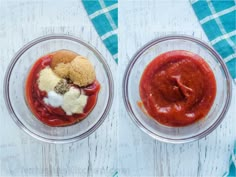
(104, 16)
(232, 164)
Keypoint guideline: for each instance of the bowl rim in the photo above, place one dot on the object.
(128, 105)
(49, 37)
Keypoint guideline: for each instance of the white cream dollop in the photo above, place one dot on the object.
(54, 99)
(47, 79)
(74, 101)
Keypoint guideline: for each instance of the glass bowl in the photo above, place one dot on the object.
(14, 85)
(191, 132)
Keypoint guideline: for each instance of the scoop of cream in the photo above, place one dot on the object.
(74, 101)
(47, 79)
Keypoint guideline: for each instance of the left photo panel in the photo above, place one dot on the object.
(58, 98)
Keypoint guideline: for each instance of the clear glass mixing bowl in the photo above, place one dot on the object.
(135, 70)
(14, 85)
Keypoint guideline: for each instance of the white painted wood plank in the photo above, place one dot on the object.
(139, 155)
(21, 155)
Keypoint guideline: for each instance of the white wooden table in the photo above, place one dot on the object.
(118, 145)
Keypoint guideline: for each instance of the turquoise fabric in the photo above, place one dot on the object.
(104, 16)
(232, 167)
(218, 20)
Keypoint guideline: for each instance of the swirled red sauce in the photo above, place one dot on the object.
(177, 88)
(50, 115)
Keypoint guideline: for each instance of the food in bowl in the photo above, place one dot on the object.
(61, 88)
(177, 88)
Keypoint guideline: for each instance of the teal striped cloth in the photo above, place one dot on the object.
(104, 16)
(218, 20)
(232, 167)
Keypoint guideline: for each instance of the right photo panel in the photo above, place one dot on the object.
(177, 80)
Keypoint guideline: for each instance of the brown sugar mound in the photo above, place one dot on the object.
(62, 56)
(82, 72)
(62, 70)
(69, 65)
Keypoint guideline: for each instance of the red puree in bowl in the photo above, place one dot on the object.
(177, 88)
(50, 115)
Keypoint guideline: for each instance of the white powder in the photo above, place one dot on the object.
(47, 79)
(54, 99)
(73, 101)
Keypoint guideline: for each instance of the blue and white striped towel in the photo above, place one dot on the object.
(232, 167)
(218, 20)
(104, 16)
